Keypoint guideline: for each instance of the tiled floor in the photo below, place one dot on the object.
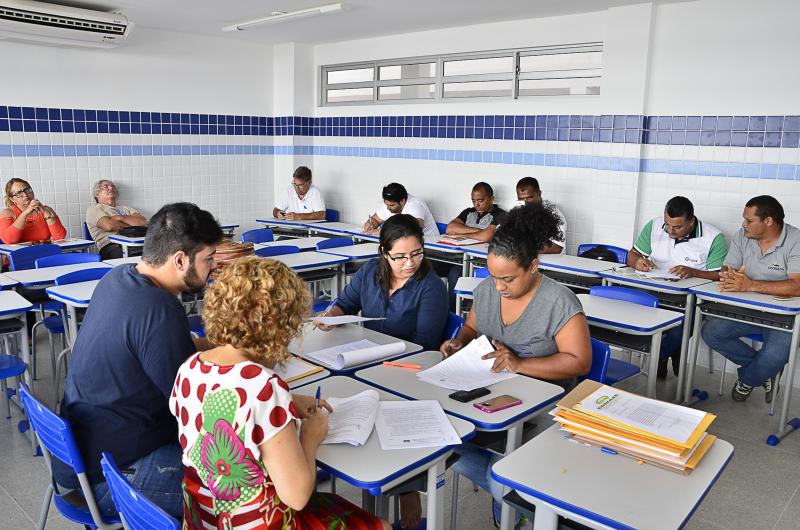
(759, 490)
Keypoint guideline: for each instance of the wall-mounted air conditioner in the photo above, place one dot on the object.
(29, 21)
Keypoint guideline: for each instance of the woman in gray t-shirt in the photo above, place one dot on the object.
(536, 324)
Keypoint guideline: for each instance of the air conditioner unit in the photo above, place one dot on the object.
(29, 21)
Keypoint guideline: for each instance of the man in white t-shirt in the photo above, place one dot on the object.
(302, 201)
(528, 192)
(397, 200)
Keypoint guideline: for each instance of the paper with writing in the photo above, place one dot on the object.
(465, 369)
(352, 418)
(414, 424)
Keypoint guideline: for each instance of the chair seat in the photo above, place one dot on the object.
(320, 305)
(11, 366)
(73, 506)
(619, 371)
(54, 324)
(52, 306)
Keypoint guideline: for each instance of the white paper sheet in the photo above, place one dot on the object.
(352, 418)
(342, 319)
(414, 424)
(465, 370)
(355, 353)
(459, 241)
(659, 274)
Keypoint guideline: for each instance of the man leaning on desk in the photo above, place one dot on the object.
(764, 257)
(684, 246)
(302, 201)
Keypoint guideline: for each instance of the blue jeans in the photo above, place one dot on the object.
(476, 464)
(755, 367)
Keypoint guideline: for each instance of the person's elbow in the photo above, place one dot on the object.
(297, 497)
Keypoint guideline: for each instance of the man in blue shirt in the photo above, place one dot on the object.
(133, 338)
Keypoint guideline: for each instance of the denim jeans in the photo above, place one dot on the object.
(755, 367)
(476, 464)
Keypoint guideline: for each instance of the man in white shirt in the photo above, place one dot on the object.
(528, 192)
(106, 217)
(303, 200)
(397, 200)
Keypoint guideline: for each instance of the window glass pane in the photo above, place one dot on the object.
(407, 92)
(355, 75)
(560, 61)
(477, 89)
(559, 87)
(407, 71)
(349, 94)
(491, 65)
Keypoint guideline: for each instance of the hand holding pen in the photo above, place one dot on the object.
(325, 327)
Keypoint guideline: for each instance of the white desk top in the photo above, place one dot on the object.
(67, 244)
(5, 281)
(359, 251)
(303, 243)
(466, 285)
(477, 250)
(74, 294)
(628, 276)
(574, 264)
(369, 467)
(626, 316)
(535, 394)
(337, 228)
(608, 489)
(126, 241)
(309, 260)
(285, 222)
(228, 226)
(123, 261)
(314, 339)
(48, 275)
(12, 303)
(764, 302)
(447, 249)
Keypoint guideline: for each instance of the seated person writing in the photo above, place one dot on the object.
(397, 200)
(27, 219)
(536, 324)
(106, 217)
(302, 201)
(248, 444)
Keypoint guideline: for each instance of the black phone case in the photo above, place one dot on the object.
(465, 396)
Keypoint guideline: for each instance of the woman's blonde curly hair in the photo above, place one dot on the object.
(256, 305)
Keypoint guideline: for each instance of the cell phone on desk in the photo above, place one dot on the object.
(498, 403)
(465, 396)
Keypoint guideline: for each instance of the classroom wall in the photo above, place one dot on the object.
(145, 115)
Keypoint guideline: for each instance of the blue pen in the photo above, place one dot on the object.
(316, 401)
(327, 310)
(603, 449)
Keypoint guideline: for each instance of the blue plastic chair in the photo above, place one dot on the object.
(10, 366)
(277, 250)
(452, 326)
(196, 325)
(86, 233)
(601, 358)
(25, 258)
(332, 215)
(334, 242)
(621, 253)
(481, 272)
(85, 275)
(56, 438)
(69, 258)
(259, 235)
(442, 228)
(137, 511)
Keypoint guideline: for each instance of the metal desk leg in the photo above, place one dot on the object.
(546, 518)
(26, 358)
(435, 499)
(655, 352)
(687, 317)
(787, 426)
(339, 281)
(508, 515)
(72, 325)
(692, 360)
(124, 251)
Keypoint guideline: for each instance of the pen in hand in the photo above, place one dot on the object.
(316, 399)
(327, 310)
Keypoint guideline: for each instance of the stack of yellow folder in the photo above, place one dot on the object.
(651, 431)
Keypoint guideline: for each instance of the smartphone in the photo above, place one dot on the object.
(465, 396)
(498, 403)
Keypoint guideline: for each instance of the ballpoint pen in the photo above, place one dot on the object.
(316, 400)
(327, 310)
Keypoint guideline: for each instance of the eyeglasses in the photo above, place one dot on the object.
(22, 193)
(301, 186)
(413, 257)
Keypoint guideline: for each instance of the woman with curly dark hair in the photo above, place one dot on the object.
(536, 324)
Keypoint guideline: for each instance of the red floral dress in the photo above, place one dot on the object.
(224, 413)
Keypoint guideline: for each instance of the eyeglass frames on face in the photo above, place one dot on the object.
(22, 193)
(414, 256)
(302, 185)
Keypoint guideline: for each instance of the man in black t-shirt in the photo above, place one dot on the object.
(133, 338)
(480, 221)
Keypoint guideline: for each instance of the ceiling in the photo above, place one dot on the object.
(358, 19)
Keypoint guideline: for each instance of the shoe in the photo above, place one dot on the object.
(662, 368)
(740, 391)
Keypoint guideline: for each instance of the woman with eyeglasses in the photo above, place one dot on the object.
(25, 218)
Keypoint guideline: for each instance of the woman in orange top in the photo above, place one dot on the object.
(25, 218)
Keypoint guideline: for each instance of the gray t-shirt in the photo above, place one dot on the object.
(533, 333)
(773, 266)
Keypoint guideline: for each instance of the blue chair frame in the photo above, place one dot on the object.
(259, 235)
(332, 216)
(25, 258)
(481, 272)
(625, 294)
(601, 358)
(69, 258)
(621, 253)
(277, 250)
(335, 242)
(452, 326)
(442, 228)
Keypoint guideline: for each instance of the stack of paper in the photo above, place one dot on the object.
(355, 353)
(352, 419)
(459, 241)
(652, 431)
(466, 369)
(294, 368)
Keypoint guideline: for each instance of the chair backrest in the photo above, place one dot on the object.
(603, 252)
(481, 272)
(66, 259)
(452, 326)
(85, 275)
(442, 228)
(601, 356)
(332, 215)
(25, 258)
(277, 250)
(86, 233)
(334, 242)
(137, 511)
(259, 235)
(625, 294)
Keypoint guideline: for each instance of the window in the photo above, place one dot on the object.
(544, 71)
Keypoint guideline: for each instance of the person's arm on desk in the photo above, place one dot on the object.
(714, 261)
(373, 224)
(732, 280)
(551, 248)
(314, 216)
(456, 227)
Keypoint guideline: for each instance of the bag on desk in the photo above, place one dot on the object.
(133, 231)
(599, 253)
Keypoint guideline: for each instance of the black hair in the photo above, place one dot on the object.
(767, 206)
(394, 192)
(397, 227)
(486, 188)
(302, 173)
(525, 231)
(680, 207)
(528, 182)
(180, 226)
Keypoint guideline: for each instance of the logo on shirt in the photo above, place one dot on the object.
(690, 260)
(775, 267)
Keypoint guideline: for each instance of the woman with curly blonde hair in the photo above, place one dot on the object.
(246, 464)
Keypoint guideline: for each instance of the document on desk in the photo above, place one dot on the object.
(466, 370)
(658, 274)
(342, 319)
(414, 424)
(459, 241)
(355, 353)
(352, 419)
(294, 368)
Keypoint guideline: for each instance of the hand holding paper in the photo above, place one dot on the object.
(353, 418)
(467, 369)
(341, 319)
